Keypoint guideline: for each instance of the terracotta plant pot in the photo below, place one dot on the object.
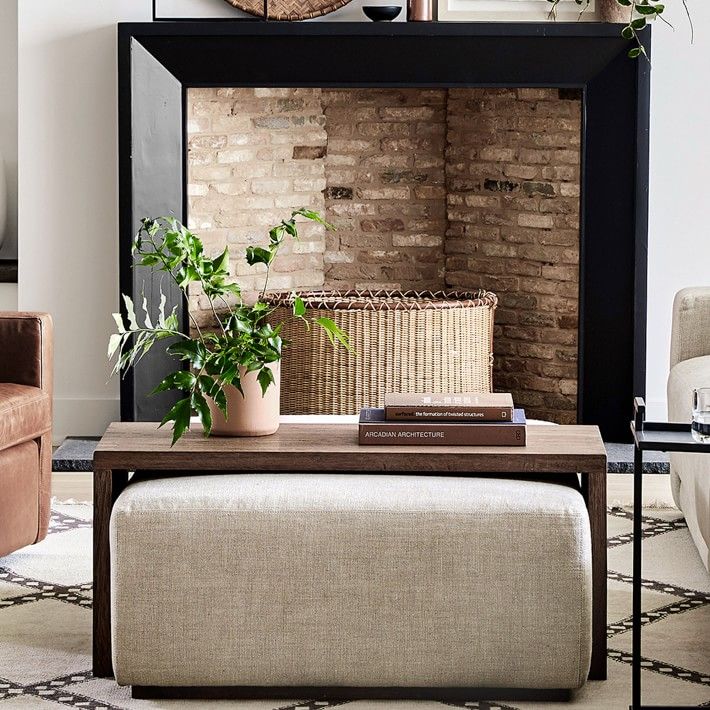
(611, 11)
(251, 414)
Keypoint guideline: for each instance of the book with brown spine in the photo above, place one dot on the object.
(461, 407)
(375, 430)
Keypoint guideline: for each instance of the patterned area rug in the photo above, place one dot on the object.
(45, 627)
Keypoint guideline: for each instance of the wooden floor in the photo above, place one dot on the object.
(72, 486)
(656, 488)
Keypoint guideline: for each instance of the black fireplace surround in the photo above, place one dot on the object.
(160, 61)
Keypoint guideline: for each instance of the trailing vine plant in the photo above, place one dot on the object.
(244, 341)
(641, 13)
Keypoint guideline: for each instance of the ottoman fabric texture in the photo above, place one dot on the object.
(350, 580)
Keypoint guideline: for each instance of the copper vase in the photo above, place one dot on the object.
(420, 11)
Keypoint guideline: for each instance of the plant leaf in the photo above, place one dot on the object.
(276, 234)
(229, 374)
(180, 415)
(187, 275)
(290, 228)
(220, 399)
(114, 343)
(253, 365)
(314, 217)
(192, 350)
(161, 309)
(237, 383)
(265, 377)
(259, 255)
(334, 333)
(232, 288)
(199, 403)
(148, 322)
(130, 312)
(119, 322)
(221, 263)
(183, 380)
(148, 259)
(213, 389)
(299, 307)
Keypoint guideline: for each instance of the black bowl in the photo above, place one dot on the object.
(382, 13)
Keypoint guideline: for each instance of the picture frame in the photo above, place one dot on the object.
(514, 11)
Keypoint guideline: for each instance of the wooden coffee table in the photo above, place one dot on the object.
(333, 447)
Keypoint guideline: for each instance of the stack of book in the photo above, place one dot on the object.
(466, 419)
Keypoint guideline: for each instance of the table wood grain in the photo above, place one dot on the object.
(334, 447)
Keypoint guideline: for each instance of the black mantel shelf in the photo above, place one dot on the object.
(508, 53)
(160, 61)
(218, 27)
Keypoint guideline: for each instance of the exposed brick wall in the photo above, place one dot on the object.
(243, 179)
(385, 191)
(463, 188)
(512, 174)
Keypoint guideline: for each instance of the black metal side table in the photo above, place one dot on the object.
(650, 436)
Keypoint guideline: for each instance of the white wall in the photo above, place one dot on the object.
(68, 251)
(8, 297)
(8, 120)
(679, 239)
(67, 192)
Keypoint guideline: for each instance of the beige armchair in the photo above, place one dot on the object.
(690, 368)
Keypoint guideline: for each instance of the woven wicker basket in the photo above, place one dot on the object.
(289, 9)
(404, 342)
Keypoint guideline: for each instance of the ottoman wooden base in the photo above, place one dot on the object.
(336, 693)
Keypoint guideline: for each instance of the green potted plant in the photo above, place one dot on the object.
(232, 379)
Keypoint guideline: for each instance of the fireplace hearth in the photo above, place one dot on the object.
(428, 189)
(568, 218)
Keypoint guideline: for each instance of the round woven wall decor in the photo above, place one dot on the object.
(289, 9)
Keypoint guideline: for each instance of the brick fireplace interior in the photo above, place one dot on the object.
(428, 189)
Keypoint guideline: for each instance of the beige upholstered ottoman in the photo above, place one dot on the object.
(350, 580)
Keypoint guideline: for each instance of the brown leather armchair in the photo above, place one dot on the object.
(25, 428)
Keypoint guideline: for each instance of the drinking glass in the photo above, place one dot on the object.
(700, 425)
